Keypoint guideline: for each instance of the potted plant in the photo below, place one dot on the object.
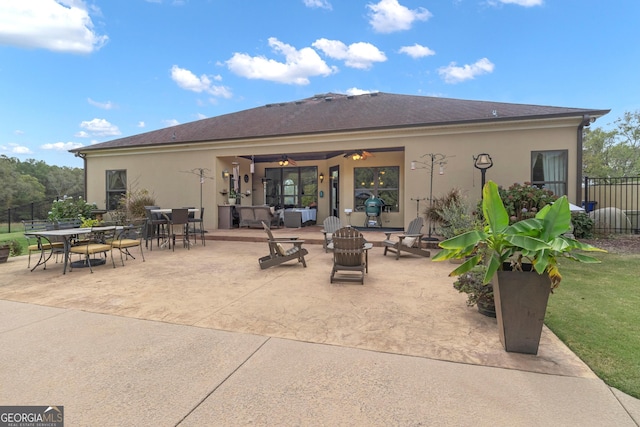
(9, 248)
(478, 293)
(512, 254)
(233, 196)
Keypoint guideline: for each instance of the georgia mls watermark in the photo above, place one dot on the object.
(31, 416)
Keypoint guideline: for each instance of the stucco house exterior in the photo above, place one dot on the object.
(306, 152)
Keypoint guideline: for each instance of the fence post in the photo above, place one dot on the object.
(586, 193)
(32, 204)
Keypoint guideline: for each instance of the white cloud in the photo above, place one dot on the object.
(57, 25)
(356, 91)
(18, 132)
(99, 127)
(201, 116)
(62, 146)
(525, 3)
(357, 55)
(104, 105)
(14, 148)
(171, 122)
(141, 124)
(454, 74)
(189, 81)
(388, 16)
(321, 4)
(417, 51)
(81, 134)
(299, 66)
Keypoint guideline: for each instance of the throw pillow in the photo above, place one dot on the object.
(408, 241)
(280, 249)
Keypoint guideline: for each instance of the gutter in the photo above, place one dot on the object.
(83, 156)
(586, 121)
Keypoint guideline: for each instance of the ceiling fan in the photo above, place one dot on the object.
(286, 161)
(359, 155)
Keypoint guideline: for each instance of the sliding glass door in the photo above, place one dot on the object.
(292, 187)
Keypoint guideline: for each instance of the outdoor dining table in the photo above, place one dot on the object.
(66, 234)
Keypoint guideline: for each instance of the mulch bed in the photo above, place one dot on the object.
(617, 243)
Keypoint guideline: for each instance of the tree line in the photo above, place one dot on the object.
(34, 181)
(613, 153)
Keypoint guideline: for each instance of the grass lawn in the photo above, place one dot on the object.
(595, 312)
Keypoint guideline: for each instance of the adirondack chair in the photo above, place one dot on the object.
(330, 224)
(348, 255)
(409, 241)
(277, 252)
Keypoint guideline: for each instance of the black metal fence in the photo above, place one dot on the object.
(14, 216)
(613, 204)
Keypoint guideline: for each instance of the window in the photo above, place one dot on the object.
(382, 182)
(116, 187)
(292, 187)
(549, 170)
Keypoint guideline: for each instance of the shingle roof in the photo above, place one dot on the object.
(335, 112)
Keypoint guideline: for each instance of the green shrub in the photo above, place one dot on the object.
(522, 201)
(456, 219)
(472, 284)
(583, 225)
(70, 208)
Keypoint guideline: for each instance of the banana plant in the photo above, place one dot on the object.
(539, 241)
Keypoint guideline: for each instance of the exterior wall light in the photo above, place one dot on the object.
(483, 162)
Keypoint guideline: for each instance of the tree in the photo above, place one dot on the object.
(613, 153)
(28, 188)
(58, 181)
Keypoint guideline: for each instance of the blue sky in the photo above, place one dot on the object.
(75, 73)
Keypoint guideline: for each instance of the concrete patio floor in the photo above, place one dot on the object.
(406, 307)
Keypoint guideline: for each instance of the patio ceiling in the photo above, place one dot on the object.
(319, 155)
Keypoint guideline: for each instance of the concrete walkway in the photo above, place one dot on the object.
(204, 337)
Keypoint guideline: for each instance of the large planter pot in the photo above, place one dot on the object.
(4, 253)
(521, 303)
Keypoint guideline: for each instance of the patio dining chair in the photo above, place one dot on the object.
(130, 236)
(40, 244)
(156, 227)
(178, 226)
(97, 242)
(197, 226)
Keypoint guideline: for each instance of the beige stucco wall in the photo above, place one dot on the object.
(166, 172)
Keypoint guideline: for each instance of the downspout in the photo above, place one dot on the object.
(83, 156)
(586, 121)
